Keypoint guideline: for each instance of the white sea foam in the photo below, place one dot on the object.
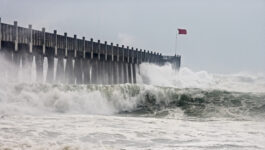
(186, 78)
(25, 96)
(82, 132)
(40, 116)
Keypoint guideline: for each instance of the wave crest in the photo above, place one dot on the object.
(37, 99)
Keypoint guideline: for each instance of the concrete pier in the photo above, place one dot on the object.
(79, 61)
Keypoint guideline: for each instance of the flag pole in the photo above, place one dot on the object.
(176, 43)
(176, 47)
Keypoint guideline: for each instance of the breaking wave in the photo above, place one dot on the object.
(186, 78)
(160, 92)
(143, 100)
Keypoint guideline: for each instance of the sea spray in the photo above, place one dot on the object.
(166, 109)
(39, 99)
(186, 78)
(160, 91)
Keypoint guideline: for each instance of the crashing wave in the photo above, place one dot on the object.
(160, 92)
(37, 99)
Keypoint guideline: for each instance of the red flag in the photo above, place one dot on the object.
(182, 31)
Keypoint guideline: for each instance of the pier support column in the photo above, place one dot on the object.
(69, 70)
(50, 71)
(109, 72)
(134, 65)
(94, 71)
(100, 79)
(134, 72)
(120, 72)
(114, 66)
(16, 55)
(104, 72)
(130, 65)
(26, 54)
(86, 69)
(50, 52)
(60, 69)
(85, 75)
(105, 63)
(39, 57)
(117, 60)
(111, 65)
(77, 61)
(78, 70)
(129, 73)
(125, 75)
(140, 59)
(98, 63)
(122, 65)
(39, 67)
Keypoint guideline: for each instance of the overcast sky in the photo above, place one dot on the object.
(224, 36)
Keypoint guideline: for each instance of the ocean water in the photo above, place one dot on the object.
(165, 110)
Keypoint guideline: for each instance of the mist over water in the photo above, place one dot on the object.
(186, 78)
(159, 88)
(194, 105)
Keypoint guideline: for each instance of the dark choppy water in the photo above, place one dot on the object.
(202, 103)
